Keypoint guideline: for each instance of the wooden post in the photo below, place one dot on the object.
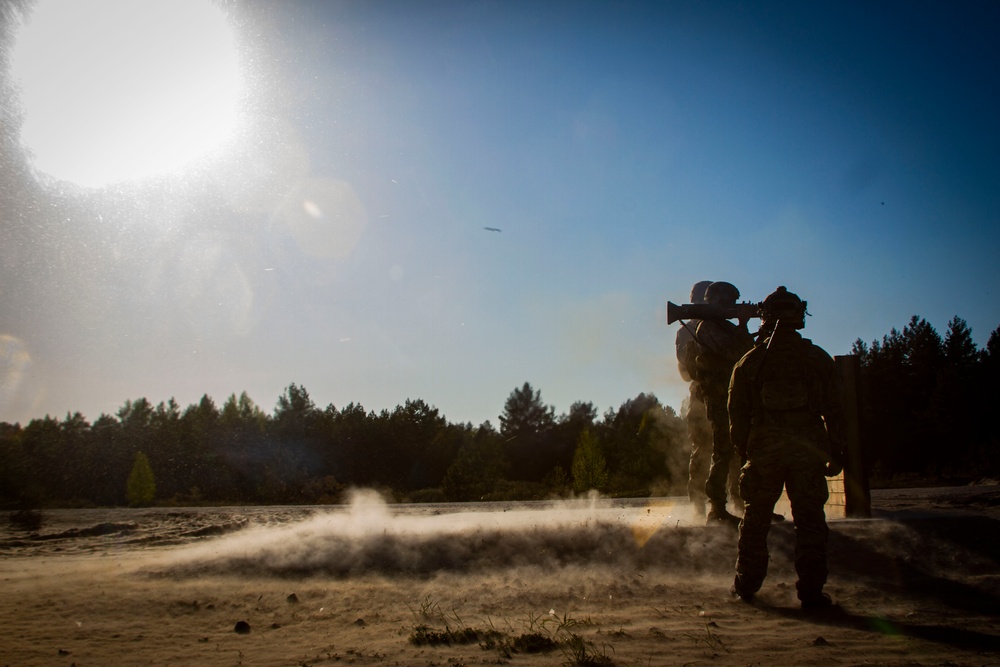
(857, 500)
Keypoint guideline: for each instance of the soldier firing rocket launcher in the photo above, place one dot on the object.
(712, 311)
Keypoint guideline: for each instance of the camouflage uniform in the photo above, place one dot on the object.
(720, 344)
(696, 417)
(700, 433)
(787, 421)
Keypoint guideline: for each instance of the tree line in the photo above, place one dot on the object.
(927, 403)
(925, 411)
(303, 454)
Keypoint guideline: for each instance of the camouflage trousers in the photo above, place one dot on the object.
(700, 433)
(794, 462)
(723, 475)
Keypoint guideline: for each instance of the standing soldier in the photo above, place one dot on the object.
(788, 425)
(694, 413)
(719, 345)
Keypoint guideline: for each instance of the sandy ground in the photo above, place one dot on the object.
(919, 584)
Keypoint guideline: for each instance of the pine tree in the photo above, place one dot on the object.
(526, 426)
(141, 487)
(477, 467)
(589, 467)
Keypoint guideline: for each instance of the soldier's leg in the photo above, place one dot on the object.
(700, 432)
(760, 487)
(722, 454)
(807, 492)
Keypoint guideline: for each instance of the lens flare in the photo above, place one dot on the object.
(123, 90)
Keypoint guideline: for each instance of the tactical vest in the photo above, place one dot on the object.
(787, 392)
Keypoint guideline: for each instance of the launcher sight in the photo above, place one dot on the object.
(712, 311)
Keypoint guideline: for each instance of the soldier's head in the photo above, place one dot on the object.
(698, 291)
(784, 306)
(722, 293)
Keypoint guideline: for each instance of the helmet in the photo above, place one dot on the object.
(698, 291)
(721, 293)
(783, 305)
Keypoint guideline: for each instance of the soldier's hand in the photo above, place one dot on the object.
(834, 467)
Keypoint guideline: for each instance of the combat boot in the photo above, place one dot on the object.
(737, 592)
(722, 517)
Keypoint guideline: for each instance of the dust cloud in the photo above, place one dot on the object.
(369, 537)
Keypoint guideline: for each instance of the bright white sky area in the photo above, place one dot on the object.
(299, 193)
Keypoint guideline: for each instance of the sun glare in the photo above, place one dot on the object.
(121, 90)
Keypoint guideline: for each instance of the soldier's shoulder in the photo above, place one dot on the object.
(753, 356)
(816, 352)
(706, 325)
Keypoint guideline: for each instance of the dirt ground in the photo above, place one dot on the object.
(918, 584)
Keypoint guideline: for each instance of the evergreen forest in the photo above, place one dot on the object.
(926, 417)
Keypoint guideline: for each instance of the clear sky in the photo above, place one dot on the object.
(329, 231)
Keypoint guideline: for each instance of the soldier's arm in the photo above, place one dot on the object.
(681, 340)
(680, 343)
(725, 339)
(833, 407)
(683, 373)
(690, 361)
(737, 343)
(740, 410)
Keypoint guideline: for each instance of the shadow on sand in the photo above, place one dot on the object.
(925, 549)
(941, 634)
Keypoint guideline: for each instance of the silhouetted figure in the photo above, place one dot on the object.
(719, 345)
(787, 423)
(694, 412)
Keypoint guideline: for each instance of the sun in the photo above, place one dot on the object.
(123, 90)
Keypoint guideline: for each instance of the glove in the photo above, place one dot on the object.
(835, 466)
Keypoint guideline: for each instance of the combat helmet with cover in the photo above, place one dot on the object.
(698, 291)
(721, 292)
(784, 306)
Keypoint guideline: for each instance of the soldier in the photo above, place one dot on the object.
(719, 345)
(788, 425)
(694, 413)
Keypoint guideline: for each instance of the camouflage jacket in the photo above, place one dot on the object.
(787, 384)
(685, 349)
(718, 345)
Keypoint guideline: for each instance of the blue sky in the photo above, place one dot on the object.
(626, 150)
